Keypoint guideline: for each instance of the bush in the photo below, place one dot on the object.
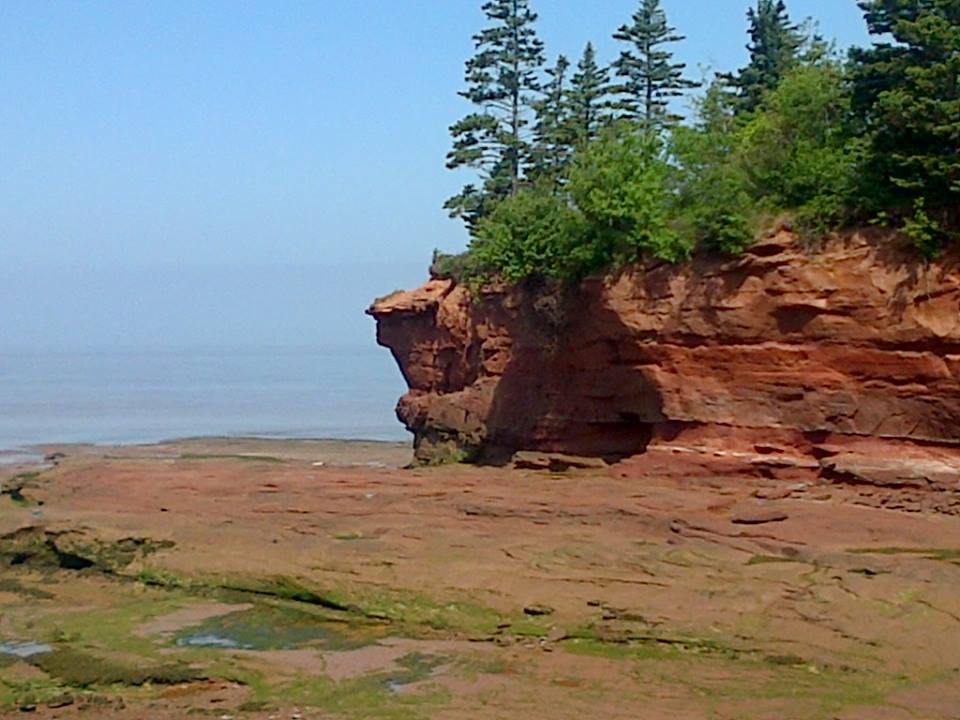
(926, 234)
(451, 267)
(533, 234)
(619, 183)
(797, 151)
(712, 204)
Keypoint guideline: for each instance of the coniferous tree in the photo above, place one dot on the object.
(553, 142)
(649, 77)
(775, 44)
(502, 79)
(909, 94)
(589, 98)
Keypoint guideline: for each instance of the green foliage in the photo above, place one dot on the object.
(619, 183)
(795, 132)
(774, 48)
(534, 233)
(795, 153)
(588, 99)
(924, 232)
(649, 77)
(909, 95)
(553, 139)
(798, 152)
(712, 197)
(451, 267)
(502, 79)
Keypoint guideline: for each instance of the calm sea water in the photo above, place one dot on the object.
(147, 396)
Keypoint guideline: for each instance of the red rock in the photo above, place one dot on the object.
(762, 366)
(758, 517)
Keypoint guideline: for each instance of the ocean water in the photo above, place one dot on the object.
(139, 396)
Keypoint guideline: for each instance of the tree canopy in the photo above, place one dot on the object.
(587, 169)
(649, 77)
(502, 81)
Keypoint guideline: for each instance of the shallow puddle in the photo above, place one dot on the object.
(24, 650)
(262, 628)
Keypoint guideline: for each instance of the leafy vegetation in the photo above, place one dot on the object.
(584, 170)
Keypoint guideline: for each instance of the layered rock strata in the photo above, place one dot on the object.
(786, 359)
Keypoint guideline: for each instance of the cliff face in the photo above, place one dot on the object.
(782, 353)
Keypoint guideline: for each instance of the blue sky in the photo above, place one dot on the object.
(252, 172)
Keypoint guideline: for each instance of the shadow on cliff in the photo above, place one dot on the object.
(598, 370)
(568, 386)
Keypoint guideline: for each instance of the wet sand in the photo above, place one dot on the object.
(292, 579)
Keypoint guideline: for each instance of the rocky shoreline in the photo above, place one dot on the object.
(306, 580)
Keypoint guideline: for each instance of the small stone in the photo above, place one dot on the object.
(780, 493)
(556, 635)
(759, 517)
(538, 610)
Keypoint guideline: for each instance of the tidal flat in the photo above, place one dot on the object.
(281, 579)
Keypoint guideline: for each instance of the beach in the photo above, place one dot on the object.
(304, 579)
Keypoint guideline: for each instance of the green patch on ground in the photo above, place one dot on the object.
(228, 456)
(349, 536)
(414, 613)
(15, 587)
(385, 695)
(277, 587)
(647, 647)
(813, 691)
(950, 555)
(358, 605)
(725, 677)
(34, 547)
(21, 692)
(81, 669)
(15, 486)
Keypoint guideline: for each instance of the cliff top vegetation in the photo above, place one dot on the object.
(582, 167)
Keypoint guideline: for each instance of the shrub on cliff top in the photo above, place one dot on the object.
(614, 210)
(619, 184)
(533, 233)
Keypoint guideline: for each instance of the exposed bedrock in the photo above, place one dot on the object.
(786, 353)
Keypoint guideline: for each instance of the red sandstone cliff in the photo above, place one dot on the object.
(782, 358)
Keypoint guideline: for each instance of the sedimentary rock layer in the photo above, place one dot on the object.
(812, 347)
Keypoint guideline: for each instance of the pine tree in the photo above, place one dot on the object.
(650, 78)
(775, 45)
(553, 142)
(502, 79)
(588, 99)
(909, 94)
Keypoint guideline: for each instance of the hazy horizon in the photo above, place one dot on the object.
(198, 201)
(252, 174)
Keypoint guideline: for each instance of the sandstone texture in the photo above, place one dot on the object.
(839, 361)
(361, 590)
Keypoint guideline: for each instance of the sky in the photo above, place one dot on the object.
(253, 173)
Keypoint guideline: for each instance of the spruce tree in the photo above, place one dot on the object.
(909, 94)
(649, 77)
(588, 99)
(774, 47)
(502, 79)
(553, 142)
